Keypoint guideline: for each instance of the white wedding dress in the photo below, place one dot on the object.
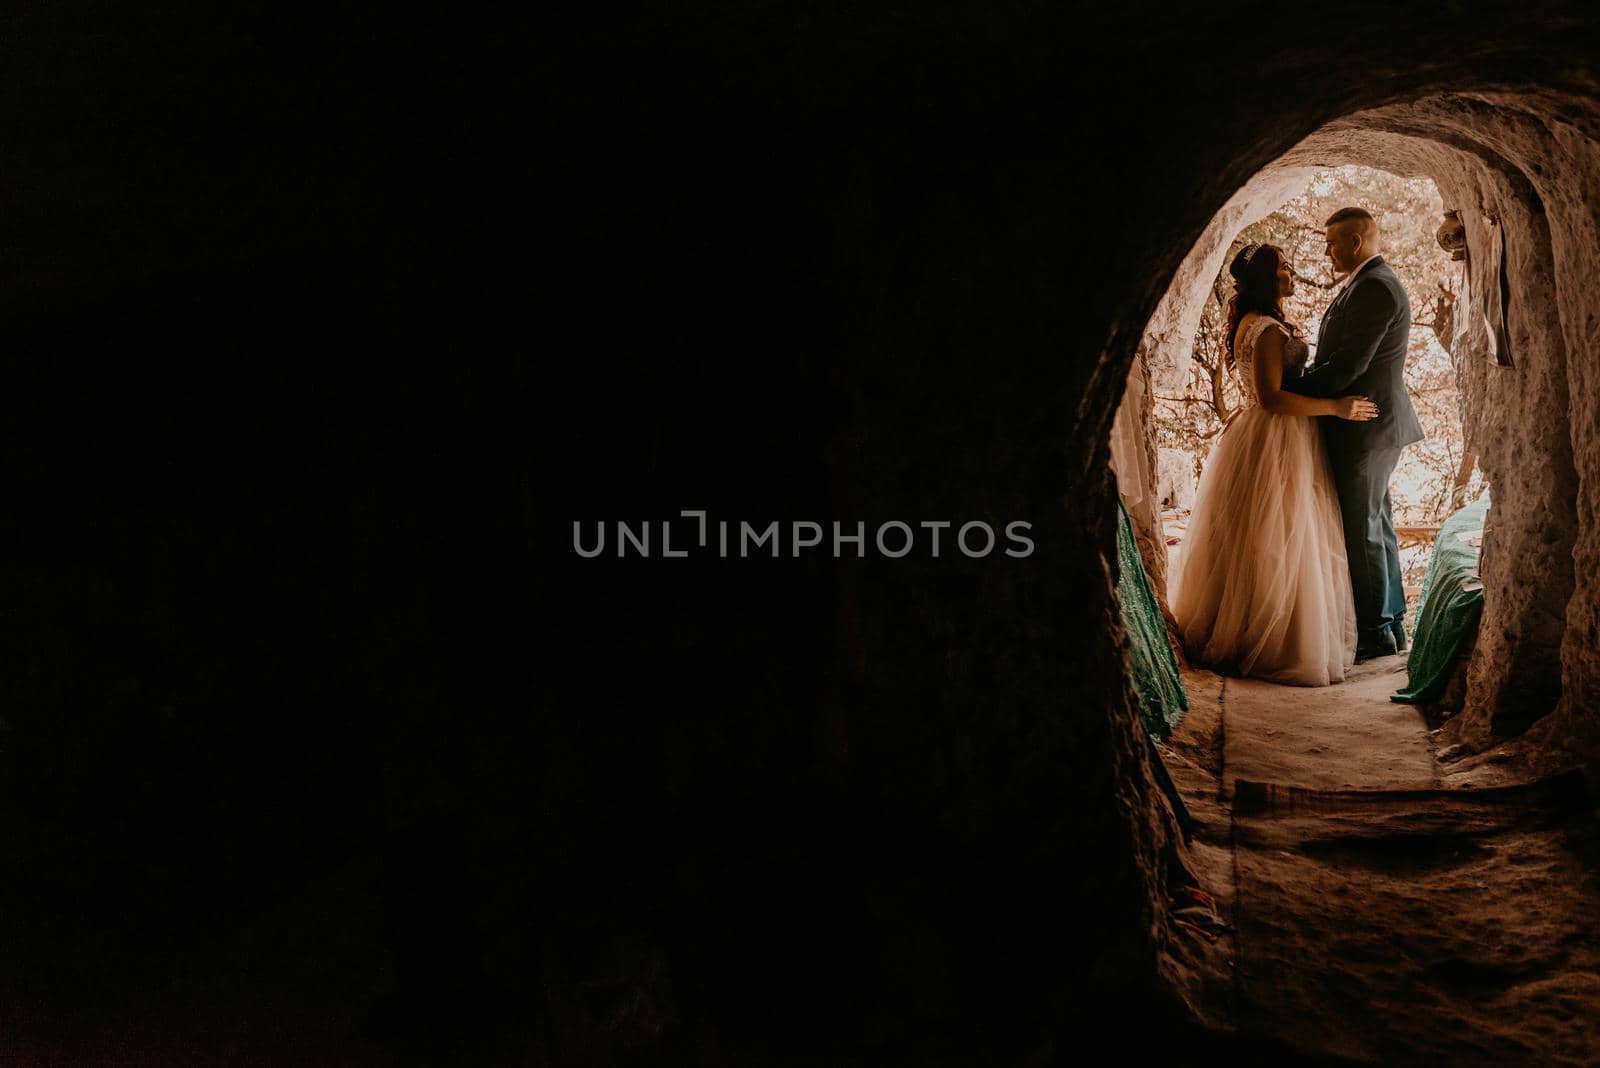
(1261, 586)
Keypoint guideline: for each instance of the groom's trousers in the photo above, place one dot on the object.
(1361, 478)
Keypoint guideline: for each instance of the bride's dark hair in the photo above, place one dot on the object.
(1255, 288)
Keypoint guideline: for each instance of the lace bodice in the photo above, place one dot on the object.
(1251, 327)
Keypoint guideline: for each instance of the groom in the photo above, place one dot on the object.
(1361, 349)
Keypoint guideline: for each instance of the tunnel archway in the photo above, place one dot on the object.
(1524, 346)
(1520, 165)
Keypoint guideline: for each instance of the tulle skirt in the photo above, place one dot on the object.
(1261, 586)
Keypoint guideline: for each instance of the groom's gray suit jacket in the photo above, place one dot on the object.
(1361, 349)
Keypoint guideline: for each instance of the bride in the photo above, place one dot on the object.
(1261, 586)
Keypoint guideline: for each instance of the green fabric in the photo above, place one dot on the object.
(1162, 700)
(1452, 599)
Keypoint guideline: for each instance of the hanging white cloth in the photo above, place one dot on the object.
(1127, 441)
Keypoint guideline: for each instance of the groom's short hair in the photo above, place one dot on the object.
(1361, 215)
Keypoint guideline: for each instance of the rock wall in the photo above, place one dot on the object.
(1135, 464)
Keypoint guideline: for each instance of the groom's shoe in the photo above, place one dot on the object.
(1398, 629)
(1380, 644)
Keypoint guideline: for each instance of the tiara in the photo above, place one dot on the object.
(1249, 252)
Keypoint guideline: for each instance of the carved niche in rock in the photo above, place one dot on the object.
(1452, 235)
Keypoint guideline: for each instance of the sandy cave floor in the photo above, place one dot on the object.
(1378, 907)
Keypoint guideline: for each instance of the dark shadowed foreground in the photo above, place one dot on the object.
(322, 743)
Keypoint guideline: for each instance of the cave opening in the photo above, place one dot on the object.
(1488, 369)
(1504, 332)
(1193, 402)
(1184, 391)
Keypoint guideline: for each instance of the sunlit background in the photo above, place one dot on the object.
(1434, 476)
